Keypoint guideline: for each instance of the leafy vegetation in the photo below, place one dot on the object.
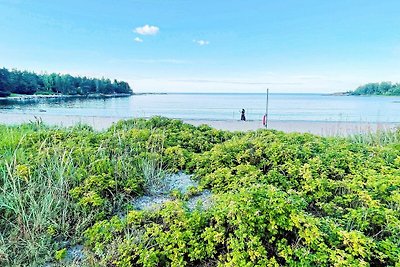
(277, 199)
(29, 83)
(383, 88)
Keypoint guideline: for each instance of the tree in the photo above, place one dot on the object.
(4, 82)
(383, 88)
(24, 82)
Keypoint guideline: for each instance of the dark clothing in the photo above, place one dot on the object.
(243, 117)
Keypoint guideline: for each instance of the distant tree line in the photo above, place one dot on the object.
(29, 83)
(383, 88)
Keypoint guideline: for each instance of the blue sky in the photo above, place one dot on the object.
(207, 46)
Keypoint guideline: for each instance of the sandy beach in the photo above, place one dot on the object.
(324, 128)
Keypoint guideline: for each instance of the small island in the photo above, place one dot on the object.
(30, 85)
(382, 88)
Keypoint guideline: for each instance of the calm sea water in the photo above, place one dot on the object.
(305, 107)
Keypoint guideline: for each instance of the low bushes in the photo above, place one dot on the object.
(278, 199)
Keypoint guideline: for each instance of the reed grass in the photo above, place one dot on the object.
(36, 202)
(38, 215)
(378, 138)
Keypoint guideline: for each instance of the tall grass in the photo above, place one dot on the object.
(38, 208)
(378, 138)
(151, 167)
(153, 175)
(38, 215)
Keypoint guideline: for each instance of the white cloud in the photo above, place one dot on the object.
(147, 30)
(138, 40)
(201, 42)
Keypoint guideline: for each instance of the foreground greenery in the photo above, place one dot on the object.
(29, 83)
(383, 88)
(278, 199)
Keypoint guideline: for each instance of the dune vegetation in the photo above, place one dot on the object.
(67, 197)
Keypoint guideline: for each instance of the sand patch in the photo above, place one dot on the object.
(171, 183)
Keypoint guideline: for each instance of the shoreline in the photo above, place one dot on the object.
(23, 98)
(322, 128)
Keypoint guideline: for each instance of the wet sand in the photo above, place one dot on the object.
(324, 128)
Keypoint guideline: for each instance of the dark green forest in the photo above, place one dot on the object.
(383, 88)
(30, 83)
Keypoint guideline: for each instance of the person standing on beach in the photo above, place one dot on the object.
(243, 117)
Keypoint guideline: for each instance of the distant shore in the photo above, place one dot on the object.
(340, 94)
(23, 98)
(323, 128)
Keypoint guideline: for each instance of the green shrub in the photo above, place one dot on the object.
(278, 199)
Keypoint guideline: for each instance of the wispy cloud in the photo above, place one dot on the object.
(148, 61)
(396, 50)
(138, 40)
(167, 61)
(309, 77)
(147, 30)
(230, 82)
(201, 42)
